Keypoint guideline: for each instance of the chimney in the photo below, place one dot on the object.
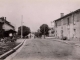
(5, 18)
(62, 14)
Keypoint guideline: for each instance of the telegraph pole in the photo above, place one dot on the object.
(22, 26)
(51, 23)
(44, 31)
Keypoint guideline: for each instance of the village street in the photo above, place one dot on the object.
(46, 49)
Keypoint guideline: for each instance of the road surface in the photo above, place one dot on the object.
(46, 49)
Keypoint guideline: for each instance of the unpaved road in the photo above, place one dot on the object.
(46, 49)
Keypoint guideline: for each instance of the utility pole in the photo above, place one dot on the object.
(44, 31)
(51, 23)
(22, 26)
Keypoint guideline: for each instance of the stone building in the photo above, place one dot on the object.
(68, 25)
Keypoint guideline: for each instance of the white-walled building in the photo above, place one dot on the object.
(68, 25)
(31, 35)
(51, 32)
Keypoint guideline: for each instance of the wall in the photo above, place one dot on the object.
(71, 29)
(7, 27)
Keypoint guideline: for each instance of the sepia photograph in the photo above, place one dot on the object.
(39, 29)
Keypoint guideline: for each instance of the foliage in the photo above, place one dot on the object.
(52, 30)
(44, 29)
(1, 30)
(4, 47)
(26, 30)
(37, 34)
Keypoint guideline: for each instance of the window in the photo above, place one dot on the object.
(56, 33)
(59, 23)
(65, 21)
(78, 17)
(73, 20)
(55, 24)
(74, 30)
(68, 21)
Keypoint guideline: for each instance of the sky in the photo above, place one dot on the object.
(36, 12)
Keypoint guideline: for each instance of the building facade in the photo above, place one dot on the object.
(6, 27)
(68, 25)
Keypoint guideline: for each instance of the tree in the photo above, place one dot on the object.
(52, 30)
(1, 30)
(26, 30)
(44, 29)
(38, 33)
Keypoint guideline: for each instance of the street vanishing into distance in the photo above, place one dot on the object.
(47, 49)
(39, 29)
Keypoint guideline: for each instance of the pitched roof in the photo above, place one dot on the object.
(4, 20)
(68, 15)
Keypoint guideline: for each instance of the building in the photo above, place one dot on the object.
(6, 27)
(31, 35)
(68, 25)
(51, 32)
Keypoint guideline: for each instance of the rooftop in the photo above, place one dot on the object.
(4, 20)
(68, 14)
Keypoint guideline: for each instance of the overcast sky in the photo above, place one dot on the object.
(36, 12)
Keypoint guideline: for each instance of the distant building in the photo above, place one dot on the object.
(68, 25)
(31, 35)
(51, 32)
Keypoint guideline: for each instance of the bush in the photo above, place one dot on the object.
(13, 39)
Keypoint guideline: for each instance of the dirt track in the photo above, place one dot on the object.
(46, 49)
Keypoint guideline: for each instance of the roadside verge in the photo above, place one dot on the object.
(3, 56)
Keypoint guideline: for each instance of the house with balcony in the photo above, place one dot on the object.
(68, 25)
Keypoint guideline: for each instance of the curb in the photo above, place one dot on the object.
(3, 56)
(67, 42)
